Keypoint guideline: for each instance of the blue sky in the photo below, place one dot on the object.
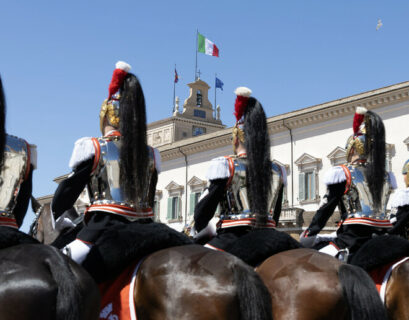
(57, 58)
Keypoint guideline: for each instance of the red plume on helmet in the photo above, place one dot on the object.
(358, 119)
(242, 98)
(121, 70)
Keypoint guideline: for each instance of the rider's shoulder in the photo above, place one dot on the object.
(84, 149)
(16, 144)
(218, 168)
(335, 175)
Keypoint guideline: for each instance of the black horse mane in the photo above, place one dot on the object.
(376, 156)
(258, 171)
(134, 154)
(2, 123)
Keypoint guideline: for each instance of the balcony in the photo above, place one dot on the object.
(291, 218)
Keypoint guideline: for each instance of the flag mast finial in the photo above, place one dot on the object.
(197, 35)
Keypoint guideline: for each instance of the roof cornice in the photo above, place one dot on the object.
(318, 113)
(170, 120)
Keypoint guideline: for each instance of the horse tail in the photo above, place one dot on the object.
(361, 294)
(69, 292)
(254, 298)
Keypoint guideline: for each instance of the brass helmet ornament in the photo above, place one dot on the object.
(243, 94)
(356, 142)
(110, 107)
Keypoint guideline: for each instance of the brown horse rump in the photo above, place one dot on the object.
(117, 300)
(121, 245)
(380, 251)
(260, 244)
(380, 274)
(11, 237)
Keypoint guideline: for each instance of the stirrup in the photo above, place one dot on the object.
(343, 255)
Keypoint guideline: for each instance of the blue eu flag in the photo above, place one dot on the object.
(219, 83)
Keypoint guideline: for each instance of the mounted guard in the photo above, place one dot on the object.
(248, 186)
(119, 169)
(17, 164)
(61, 293)
(121, 245)
(361, 188)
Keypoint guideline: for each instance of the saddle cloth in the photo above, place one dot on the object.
(117, 299)
(382, 274)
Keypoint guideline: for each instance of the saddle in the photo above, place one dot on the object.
(260, 244)
(122, 245)
(380, 251)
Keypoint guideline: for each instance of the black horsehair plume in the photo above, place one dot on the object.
(134, 154)
(376, 156)
(2, 123)
(258, 171)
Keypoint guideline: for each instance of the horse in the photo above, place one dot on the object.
(39, 282)
(306, 284)
(192, 282)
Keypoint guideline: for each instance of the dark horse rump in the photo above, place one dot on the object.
(39, 282)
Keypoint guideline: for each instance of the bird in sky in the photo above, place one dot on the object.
(379, 25)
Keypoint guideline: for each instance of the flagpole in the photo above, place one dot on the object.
(197, 34)
(174, 89)
(215, 91)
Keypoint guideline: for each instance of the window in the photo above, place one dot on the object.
(196, 131)
(307, 185)
(337, 156)
(308, 167)
(173, 208)
(198, 98)
(194, 199)
(199, 113)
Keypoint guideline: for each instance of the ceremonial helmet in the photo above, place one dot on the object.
(368, 143)
(368, 139)
(242, 96)
(251, 129)
(125, 110)
(110, 107)
(356, 142)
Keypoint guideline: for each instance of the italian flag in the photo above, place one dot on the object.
(206, 46)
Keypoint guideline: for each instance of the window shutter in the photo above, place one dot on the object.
(313, 184)
(169, 208)
(178, 208)
(192, 202)
(301, 186)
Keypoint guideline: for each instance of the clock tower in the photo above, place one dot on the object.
(197, 117)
